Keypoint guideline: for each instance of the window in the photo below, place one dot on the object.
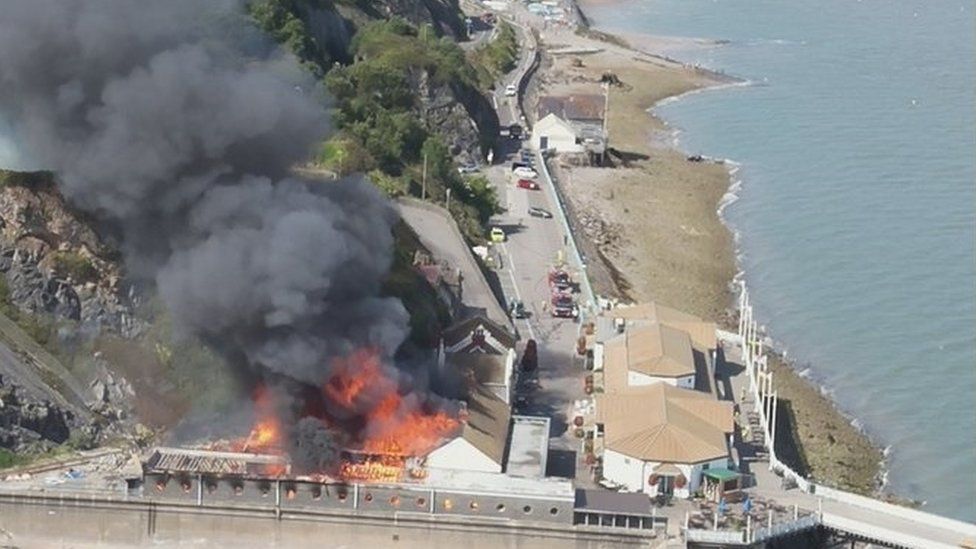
(626, 461)
(706, 466)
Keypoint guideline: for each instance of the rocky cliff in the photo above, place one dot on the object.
(53, 261)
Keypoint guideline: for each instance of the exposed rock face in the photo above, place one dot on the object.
(54, 262)
(445, 15)
(442, 112)
(29, 422)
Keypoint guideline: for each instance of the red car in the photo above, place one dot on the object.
(527, 184)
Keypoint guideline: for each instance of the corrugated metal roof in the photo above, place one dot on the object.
(179, 460)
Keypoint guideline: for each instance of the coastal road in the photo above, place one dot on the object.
(533, 246)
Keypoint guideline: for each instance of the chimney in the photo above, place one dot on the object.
(463, 414)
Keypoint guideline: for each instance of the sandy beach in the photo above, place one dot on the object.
(650, 225)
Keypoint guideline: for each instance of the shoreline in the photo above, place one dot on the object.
(833, 445)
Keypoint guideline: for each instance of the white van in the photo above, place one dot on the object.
(511, 90)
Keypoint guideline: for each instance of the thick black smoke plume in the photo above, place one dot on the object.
(156, 124)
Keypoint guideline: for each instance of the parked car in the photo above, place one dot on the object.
(516, 309)
(515, 130)
(511, 90)
(517, 164)
(527, 184)
(530, 356)
(497, 234)
(565, 311)
(539, 212)
(468, 168)
(526, 173)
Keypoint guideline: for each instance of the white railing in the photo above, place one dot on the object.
(783, 528)
(727, 537)
(764, 400)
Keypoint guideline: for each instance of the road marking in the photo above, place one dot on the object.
(518, 295)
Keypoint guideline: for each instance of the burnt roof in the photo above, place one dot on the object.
(181, 460)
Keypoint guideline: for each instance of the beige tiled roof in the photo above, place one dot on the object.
(487, 425)
(702, 333)
(653, 349)
(665, 423)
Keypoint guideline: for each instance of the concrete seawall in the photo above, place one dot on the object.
(83, 518)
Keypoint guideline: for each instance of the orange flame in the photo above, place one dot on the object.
(394, 425)
(390, 428)
(265, 436)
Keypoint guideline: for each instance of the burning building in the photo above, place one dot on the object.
(178, 140)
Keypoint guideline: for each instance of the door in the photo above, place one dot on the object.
(666, 486)
(543, 142)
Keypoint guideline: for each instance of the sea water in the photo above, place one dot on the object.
(856, 211)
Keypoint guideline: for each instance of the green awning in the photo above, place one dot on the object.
(720, 474)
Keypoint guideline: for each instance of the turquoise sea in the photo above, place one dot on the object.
(855, 215)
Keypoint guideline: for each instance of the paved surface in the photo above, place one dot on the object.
(439, 234)
(533, 246)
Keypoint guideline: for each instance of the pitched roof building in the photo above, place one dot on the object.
(580, 108)
(480, 446)
(702, 333)
(665, 424)
(478, 334)
(646, 354)
(659, 439)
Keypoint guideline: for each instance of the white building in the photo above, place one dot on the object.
(480, 446)
(660, 438)
(552, 132)
(645, 354)
(479, 351)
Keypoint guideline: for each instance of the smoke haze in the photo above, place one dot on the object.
(182, 148)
